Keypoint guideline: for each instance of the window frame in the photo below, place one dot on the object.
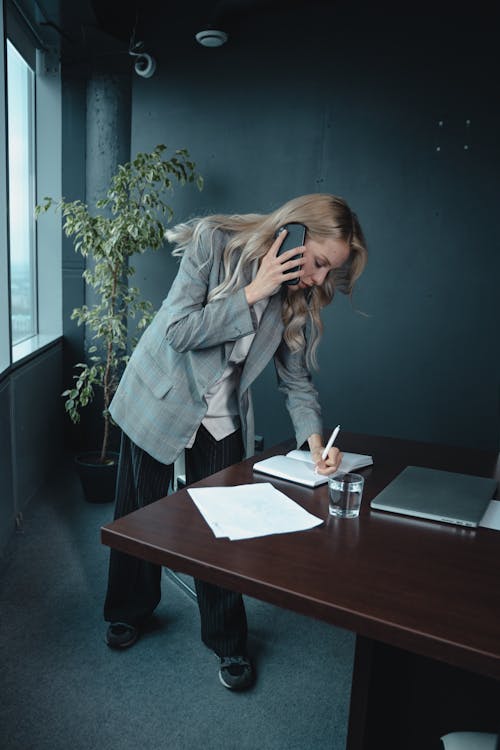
(47, 144)
(19, 344)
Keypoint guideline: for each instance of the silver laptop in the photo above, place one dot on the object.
(437, 495)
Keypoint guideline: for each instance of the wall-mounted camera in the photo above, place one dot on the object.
(145, 65)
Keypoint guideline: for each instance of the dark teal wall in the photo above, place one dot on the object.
(350, 102)
(31, 438)
(7, 504)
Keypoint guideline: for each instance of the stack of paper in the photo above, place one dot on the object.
(250, 510)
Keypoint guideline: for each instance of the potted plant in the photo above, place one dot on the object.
(129, 220)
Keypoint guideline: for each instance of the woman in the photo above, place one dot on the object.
(187, 384)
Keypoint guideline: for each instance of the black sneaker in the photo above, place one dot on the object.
(236, 672)
(121, 635)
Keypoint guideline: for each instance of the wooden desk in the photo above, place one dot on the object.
(421, 587)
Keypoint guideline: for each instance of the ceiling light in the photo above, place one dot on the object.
(211, 38)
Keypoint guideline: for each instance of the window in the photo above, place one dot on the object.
(30, 166)
(4, 266)
(21, 181)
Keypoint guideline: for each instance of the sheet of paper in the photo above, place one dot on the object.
(491, 519)
(250, 510)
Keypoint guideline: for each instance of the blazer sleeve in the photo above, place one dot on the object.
(191, 321)
(294, 380)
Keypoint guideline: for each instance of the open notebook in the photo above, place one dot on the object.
(297, 466)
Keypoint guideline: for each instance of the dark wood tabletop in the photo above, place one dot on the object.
(427, 587)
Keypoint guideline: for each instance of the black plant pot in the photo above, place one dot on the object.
(98, 480)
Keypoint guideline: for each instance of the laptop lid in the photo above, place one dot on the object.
(437, 495)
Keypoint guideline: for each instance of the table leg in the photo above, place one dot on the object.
(360, 690)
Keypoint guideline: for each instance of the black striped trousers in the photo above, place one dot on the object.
(134, 585)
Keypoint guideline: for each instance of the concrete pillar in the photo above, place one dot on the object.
(108, 130)
(108, 145)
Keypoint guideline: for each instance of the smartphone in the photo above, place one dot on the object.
(295, 238)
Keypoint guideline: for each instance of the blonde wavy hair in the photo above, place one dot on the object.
(250, 237)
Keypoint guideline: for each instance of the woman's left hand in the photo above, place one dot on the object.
(330, 464)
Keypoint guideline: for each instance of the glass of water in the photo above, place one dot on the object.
(344, 494)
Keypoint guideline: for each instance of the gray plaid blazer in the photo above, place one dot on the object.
(159, 402)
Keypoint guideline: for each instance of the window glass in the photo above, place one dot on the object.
(20, 102)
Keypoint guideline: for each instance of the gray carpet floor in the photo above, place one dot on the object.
(62, 687)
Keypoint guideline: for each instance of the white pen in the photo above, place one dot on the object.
(329, 444)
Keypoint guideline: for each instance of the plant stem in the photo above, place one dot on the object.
(109, 352)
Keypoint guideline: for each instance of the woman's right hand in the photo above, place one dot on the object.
(272, 271)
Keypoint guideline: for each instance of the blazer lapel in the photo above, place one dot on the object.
(248, 274)
(265, 343)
